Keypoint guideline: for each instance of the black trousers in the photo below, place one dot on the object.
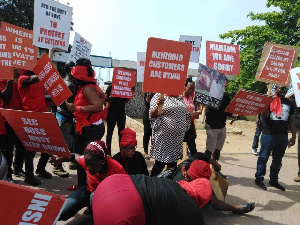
(114, 118)
(147, 134)
(190, 139)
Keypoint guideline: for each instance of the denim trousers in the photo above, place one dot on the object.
(256, 136)
(75, 202)
(277, 144)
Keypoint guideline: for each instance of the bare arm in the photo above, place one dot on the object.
(30, 80)
(293, 130)
(96, 103)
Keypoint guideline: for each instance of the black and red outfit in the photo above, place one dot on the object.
(89, 126)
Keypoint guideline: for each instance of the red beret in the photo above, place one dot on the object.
(128, 137)
(199, 168)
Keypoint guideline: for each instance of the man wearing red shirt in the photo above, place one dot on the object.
(32, 93)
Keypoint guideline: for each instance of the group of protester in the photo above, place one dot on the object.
(121, 185)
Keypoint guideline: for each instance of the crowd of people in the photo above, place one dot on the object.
(121, 185)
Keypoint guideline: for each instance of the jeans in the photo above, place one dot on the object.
(74, 202)
(256, 136)
(277, 144)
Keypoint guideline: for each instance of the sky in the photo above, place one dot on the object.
(122, 27)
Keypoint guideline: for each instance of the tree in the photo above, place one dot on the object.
(281, 27)
(17, 12)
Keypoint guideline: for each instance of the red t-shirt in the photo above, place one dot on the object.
(15, 101)
(94, 180)
(2, 127)
(33, 96)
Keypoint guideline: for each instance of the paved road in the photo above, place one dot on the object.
(272, 206)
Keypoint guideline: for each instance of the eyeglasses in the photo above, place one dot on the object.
(128, 149)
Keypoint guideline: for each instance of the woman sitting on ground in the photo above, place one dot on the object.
(132, 161)
(187, 168)
(140, 200)
(97, 167)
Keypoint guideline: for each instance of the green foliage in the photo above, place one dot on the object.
(281, 27)
(17, 12)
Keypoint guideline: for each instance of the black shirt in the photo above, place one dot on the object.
(133, 165)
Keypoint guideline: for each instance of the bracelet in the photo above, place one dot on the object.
(78, 108)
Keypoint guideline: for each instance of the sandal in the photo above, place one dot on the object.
(247, 207)
(73, 187)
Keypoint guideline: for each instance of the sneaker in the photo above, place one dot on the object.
(260, 184)
(59, 171)
(72, 166)
(275, 184)
(32, 181)
(43, 173)
(254, 151)
(19, 173)
(297, 179)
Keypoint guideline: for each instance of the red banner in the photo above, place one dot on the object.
(122, 82)
(278, 65)
(166, 66)
(24, 53)
(37, 131)
(222, 57)
(27, 206)
(53, 82)
(248, 103)
(6, 69)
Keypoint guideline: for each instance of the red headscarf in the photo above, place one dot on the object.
(81, 73)
(198, 189)
(199, 169)
(128, 137)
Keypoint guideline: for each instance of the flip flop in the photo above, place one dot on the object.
(247, 207)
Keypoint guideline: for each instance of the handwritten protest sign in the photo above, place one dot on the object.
(140, 67)
(37, 131)
(275, 63)
(195, 41)
(81, 48)
(52, 23)
(122, 82)
(6, 69)
(52, 81)
(248, 103)
(24, 55)
(210, 86)
(295, 75)
(166, 66)
(27, 206)
(222, 57)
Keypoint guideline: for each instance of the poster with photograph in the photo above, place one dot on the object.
(210, 86)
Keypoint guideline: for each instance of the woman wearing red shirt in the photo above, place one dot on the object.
(87, 108)
(97, 167)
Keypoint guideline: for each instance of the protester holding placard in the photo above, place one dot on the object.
(132, 161)
(87, 108)
(116, 116)
(188, 97)
(168, 130)
(277, 119)
(32, 93)
(65, 118)
(97, 167)
(12, 100)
